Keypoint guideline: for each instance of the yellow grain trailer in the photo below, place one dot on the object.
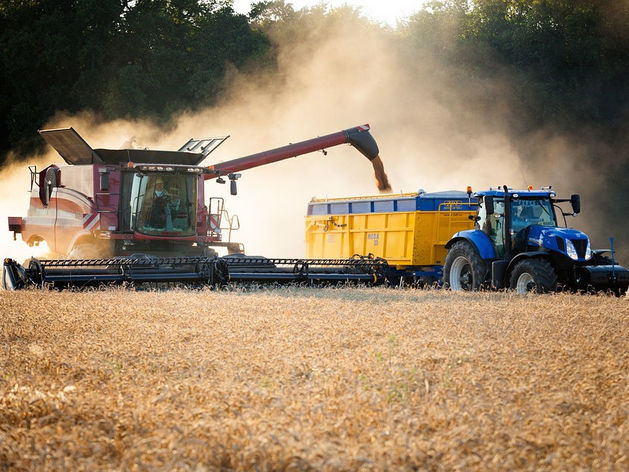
(408, 230)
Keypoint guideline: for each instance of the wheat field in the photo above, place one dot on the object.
(313, 379)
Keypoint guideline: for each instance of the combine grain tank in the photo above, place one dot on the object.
(409, 230)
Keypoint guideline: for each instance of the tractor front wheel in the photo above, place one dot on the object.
(533, 275)
(464, 269)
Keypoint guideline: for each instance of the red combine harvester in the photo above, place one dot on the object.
(109, 202)
(105, 205)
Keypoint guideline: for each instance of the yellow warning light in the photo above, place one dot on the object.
(130, 165)
(469, 189)
(530, 188)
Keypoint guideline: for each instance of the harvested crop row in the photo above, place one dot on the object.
(296, 378)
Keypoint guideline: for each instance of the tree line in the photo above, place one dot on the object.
(155, 58)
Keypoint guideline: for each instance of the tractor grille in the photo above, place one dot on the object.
(580, 245)
(561, 244)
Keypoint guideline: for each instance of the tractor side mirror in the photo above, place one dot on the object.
(489, 205)
(576, 203)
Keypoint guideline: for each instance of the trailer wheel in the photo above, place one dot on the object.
(533, 275)
(464, 269)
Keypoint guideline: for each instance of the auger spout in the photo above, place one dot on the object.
(359, 137)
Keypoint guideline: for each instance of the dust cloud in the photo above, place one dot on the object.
(433, 136)
(14, 197)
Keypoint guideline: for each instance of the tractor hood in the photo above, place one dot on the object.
(572, 243)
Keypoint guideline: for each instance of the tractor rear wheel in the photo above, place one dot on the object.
(464, 269)
(533, 275)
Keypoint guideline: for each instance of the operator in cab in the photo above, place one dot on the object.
(158, 217)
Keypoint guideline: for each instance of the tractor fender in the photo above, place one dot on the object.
(478, 239)
(524, 255)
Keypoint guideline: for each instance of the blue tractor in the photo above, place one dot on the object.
(518, 244)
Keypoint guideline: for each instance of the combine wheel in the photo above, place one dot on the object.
(85, 251)
(464, 269)
(533, 275)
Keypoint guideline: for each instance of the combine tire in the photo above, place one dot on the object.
(85, 251)
(464, 269)
(533, 275)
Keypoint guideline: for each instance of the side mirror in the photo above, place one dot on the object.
(576, 203)
(489, 205)
(233, 188)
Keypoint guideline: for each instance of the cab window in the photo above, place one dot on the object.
(163, 204)
(493, 225)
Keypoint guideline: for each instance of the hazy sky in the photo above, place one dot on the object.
(379, 10)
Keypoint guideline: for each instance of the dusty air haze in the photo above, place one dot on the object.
(430, 134)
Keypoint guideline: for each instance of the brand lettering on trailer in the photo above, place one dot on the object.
(90, 220)
(374, 237)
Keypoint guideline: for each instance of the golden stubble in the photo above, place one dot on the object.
(298, 378)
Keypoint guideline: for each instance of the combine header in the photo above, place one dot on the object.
(189, 271)
(140, 215)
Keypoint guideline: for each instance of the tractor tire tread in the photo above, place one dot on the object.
(540, 269)
(467, 250)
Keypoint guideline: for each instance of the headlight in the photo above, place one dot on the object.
(588, 251)
(570, 249)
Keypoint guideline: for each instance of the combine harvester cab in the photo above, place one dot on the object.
(149, 206)
(520, 245)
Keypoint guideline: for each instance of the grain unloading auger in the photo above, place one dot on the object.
(120, 203)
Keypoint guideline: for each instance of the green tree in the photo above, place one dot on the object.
(144, 58)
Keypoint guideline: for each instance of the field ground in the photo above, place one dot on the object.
(327, 379)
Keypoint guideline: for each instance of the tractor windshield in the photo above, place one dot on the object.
(163, 204)
(524, 212)
(531, 211)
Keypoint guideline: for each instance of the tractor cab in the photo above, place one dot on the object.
(526, 209)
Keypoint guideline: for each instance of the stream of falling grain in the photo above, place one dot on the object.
(382, 180)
